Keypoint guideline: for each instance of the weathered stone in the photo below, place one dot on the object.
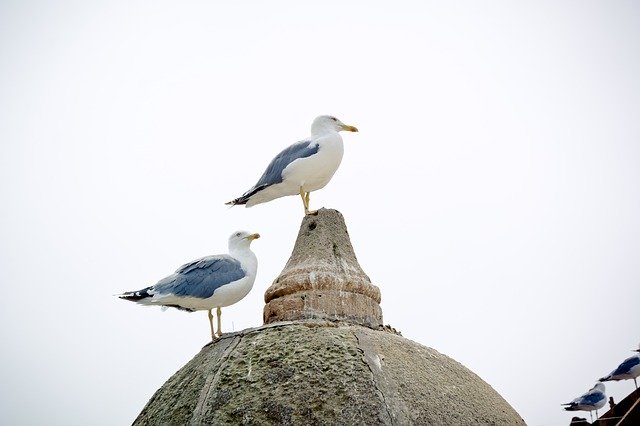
(323, 279)
(320, 373)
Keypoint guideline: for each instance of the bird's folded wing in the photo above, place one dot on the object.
(626, 365)
(273, 174)
(202, 277)
(592, 398)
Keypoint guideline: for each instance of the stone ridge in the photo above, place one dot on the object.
(319, 373)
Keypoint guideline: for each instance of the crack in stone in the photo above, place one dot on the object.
(212, 379)
(373, 377)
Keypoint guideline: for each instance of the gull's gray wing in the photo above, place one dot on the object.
(273, 174)
(201, 277)
(626, 366)
(591, 398)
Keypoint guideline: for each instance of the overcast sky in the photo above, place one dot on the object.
(492, 192)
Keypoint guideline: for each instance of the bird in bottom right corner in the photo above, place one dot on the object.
(628, 369)
(594, 399)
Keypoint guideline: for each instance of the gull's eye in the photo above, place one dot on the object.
(334, 119)
(237, 234)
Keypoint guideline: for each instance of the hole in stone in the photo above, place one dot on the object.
(312, 226)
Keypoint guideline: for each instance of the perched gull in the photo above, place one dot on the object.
(206, 283)
(629, 369)
(592, 400)
(303, 167)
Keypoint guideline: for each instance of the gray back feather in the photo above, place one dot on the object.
(201, 277)
(273, 174)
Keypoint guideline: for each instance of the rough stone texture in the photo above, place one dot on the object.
(324, 373)
(323, 279)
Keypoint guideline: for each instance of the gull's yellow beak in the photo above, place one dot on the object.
(349, 128)
(253, 237)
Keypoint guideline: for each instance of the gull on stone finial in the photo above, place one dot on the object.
(301, 168)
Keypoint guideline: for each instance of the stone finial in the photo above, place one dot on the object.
(323, 279)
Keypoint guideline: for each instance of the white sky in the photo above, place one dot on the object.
(492, 192)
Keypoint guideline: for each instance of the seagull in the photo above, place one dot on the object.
(301, 168)
(592, 400)
(206, 283)
(629, 369)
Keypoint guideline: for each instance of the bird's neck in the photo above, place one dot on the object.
(321, 130)
(245, 256)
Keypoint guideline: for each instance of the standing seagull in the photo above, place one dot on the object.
(206, 283)
(592, 400)
(629, 369)
(303, 167)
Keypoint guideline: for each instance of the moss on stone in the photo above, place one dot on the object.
(321, 374)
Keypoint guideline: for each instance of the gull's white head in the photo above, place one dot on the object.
(241, 240)
(598, 387)
(328, 123)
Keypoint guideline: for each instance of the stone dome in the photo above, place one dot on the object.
(323, 357)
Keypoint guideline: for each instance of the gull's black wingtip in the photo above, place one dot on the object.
(134, 296)
(238, 201)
